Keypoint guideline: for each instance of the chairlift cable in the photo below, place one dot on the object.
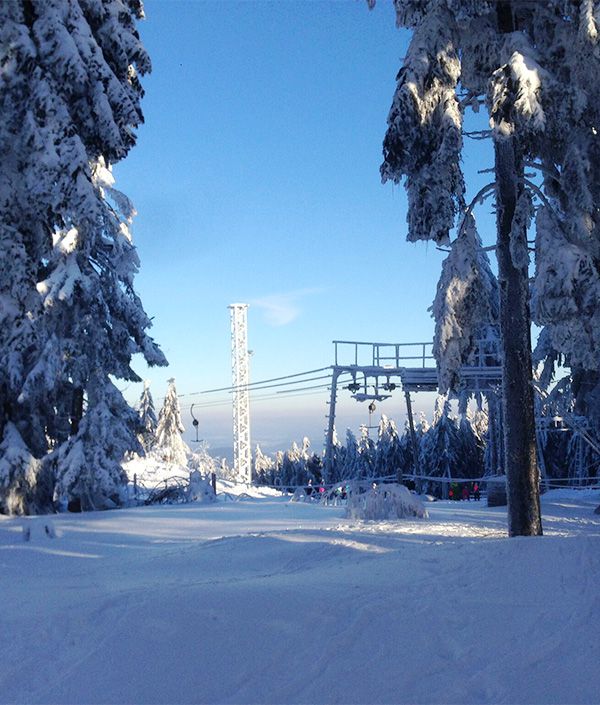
(254, 384)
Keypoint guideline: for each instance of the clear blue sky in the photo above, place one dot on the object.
(256, 179)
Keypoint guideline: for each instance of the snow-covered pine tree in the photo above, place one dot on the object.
(471, 449)
(465, 308)
(23, 482)
(389, 456)
(536, 67)
(294, 465)
(278, 467)
(366, 455)
(314, 468)
(87, 468)
(264, 467)
(289, 466)
(147, 419)
(170, 446)
(439, 448)
(351, 457)
(337, 460)
(69, 104)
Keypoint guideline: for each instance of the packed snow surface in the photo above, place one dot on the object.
(260, 600)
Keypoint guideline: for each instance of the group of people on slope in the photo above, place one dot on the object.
(464, 491)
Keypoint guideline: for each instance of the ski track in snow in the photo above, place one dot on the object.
(265, 601)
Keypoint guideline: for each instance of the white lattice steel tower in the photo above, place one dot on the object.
(242, 453)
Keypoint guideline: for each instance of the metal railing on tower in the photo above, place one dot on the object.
(240, 366)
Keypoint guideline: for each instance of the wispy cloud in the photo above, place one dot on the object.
(282, 309)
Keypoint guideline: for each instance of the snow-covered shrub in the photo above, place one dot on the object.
(199, 489)
(383, 503)
(200, 459)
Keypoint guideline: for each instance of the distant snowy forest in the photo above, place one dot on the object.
(71, 321)
(451, 446)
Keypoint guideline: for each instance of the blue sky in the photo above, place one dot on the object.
(256, 179)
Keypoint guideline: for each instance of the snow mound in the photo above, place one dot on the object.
(200, 490)
(383, 503)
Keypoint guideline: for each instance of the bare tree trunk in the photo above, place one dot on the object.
(522, 476)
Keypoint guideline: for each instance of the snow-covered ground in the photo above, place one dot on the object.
(265, 601)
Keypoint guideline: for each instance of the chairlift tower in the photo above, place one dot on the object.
(242, 453)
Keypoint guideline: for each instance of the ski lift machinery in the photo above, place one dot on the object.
(412, 363)
(195, 424)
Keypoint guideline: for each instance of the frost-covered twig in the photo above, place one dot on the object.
(479, 196)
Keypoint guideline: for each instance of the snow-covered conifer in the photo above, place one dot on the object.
(263, 467)
(337, 460)
(440, 445)
(88, 467)
(465, 309)
(423, 141)
(170, 445)
(147, 419)
(389, 455)
(25, 487)
(535, 66)
(470, 450)
(201, 460)
(351, 457)
(366, 455)
(69, 106)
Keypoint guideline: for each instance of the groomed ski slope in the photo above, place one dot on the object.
(267, 601)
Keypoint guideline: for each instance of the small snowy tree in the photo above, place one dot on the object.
(147, 419)
(170, 446)
(200, 459)
(389, 456)
(366, 455)
(264, 467)
(337, 460)
(351, 457)
(439, 449)
(87, 468)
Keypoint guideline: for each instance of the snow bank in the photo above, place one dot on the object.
(267, 601)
